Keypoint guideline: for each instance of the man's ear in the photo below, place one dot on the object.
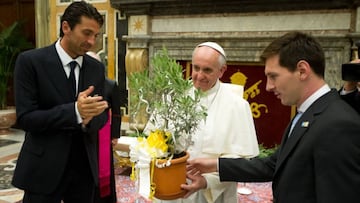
(65, 26)
(303, 68)
(222, 70)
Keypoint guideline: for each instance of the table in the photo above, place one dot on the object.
(126, 192)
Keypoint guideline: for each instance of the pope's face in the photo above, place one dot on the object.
(206, 69)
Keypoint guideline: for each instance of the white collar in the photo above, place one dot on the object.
(64, 57)
(214, 89)
(320, 92)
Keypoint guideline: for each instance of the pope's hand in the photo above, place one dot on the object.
(197, 182)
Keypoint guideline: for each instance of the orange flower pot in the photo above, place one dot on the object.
(168, 179)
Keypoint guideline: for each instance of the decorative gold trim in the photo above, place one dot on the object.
(136, 60)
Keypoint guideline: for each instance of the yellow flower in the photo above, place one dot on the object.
(157, 139)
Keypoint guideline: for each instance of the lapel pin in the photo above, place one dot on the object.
(305, 124)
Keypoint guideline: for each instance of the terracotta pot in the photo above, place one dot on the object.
(7, 119)
(168, 179)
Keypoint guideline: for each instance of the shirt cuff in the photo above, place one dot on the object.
(78, 117)
(345, 92)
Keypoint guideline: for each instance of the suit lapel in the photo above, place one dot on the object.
(83, 76)
(56, 73)
(90, 76)
(289, 144)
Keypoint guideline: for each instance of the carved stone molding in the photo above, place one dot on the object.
(186, 7)
(175, 25)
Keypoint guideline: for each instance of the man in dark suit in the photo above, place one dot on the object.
(58, 107)
(318, 160)
(351, 94)
(108, 137)
(350, 91)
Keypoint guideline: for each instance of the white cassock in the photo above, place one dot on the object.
(228, 131)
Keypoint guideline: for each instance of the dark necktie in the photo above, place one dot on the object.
(72, 80)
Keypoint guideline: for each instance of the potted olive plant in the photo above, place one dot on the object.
(12, 42)
(174, 113)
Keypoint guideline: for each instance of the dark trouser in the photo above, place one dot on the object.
(74, 188)
(77, 184)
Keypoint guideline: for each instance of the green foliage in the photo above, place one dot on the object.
(265, 152)
(166, 96)
(12, 42)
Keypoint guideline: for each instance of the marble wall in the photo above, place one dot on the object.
(244, 36)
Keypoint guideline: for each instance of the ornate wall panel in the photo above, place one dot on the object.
(244, 29)
(107, 44)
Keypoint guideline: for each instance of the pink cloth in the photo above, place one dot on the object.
(104, 159)
(126, 191)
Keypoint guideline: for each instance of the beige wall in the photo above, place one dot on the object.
(48, 15)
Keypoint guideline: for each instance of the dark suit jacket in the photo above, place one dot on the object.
(113, 95)
(46, 111)
(353, 99)
(319, 162)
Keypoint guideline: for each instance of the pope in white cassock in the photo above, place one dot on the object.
(228, 130)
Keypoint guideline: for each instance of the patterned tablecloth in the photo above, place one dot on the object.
(126, 192)
(261, 192)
